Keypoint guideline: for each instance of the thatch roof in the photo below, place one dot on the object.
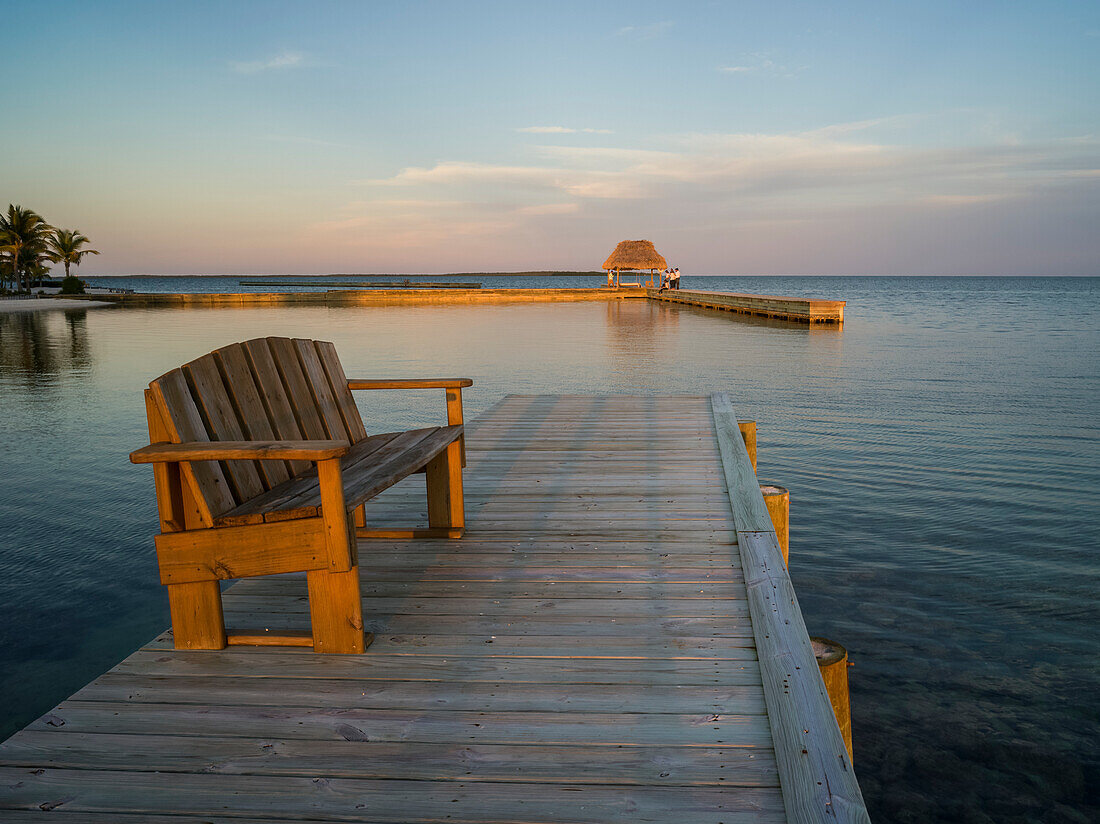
(635, 254)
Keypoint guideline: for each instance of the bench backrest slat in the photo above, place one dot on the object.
(353, 421)
(297, 388)
(245, 395)
(184, 423)
(263, 389)
(319, 387)
(222, 423)
(280, 412)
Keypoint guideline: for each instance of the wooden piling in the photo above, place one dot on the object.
(832, 660)
(778, 501)
(748, 434)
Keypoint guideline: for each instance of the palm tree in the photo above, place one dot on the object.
(23, 233)
(65, 246)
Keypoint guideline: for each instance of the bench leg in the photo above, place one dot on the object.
(336, 611)
(444, 479)
(197, 619)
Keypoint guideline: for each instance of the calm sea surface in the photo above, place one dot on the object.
(942, 453)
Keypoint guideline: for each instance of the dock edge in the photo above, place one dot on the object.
(816, 775)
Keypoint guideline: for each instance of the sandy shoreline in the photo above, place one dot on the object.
(36, 304)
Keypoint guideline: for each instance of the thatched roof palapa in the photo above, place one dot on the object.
(635, 254)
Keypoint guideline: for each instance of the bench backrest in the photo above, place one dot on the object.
(262, 389)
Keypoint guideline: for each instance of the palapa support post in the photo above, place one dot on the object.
(778, 501)
(748, 434)
(832, 661)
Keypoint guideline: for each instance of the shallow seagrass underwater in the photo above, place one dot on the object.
(941, 450)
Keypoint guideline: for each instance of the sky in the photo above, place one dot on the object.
(741, 138)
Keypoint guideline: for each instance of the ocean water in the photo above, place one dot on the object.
(942, 452)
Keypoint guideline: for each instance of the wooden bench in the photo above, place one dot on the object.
(262, 464)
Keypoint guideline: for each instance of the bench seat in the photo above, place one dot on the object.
(370, 467)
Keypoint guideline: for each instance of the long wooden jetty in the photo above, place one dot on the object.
(352, 297)
(801, 310)
(798, 310)
(368, 284)
(615, 639)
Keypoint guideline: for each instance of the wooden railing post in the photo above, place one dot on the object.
(832, 661)
(778, 501)
(338, 533)
(454, 416)
(748, 434)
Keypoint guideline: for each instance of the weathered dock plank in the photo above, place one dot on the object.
(585, 653)
(288, 797)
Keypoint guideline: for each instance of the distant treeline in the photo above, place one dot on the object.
(28, 244)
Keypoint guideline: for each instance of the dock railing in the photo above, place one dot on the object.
(816, 775)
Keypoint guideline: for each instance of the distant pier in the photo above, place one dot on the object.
(353, 297)
(800, 310)
(367, 284)
(797, 310)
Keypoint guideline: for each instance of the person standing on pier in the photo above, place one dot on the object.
(674, 282)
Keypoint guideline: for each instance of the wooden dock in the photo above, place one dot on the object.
(356, 297)
(797, 310)
(613, 640)
(367, 284)
(800, 310)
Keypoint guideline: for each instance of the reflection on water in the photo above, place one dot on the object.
(634, 340)
(37, 345)
(942, 454)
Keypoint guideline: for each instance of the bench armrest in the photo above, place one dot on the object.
(240, 451)
(412, 383)
(453, 393)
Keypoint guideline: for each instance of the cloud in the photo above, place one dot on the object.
(549, 209)
(546, 130)
(305, 141)
(712, 187)
(963, 200)
(561, 130)
(821, 163)
(817, 167)
(282, 60)
(489, 177)
(649, 31)
(761, 63)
